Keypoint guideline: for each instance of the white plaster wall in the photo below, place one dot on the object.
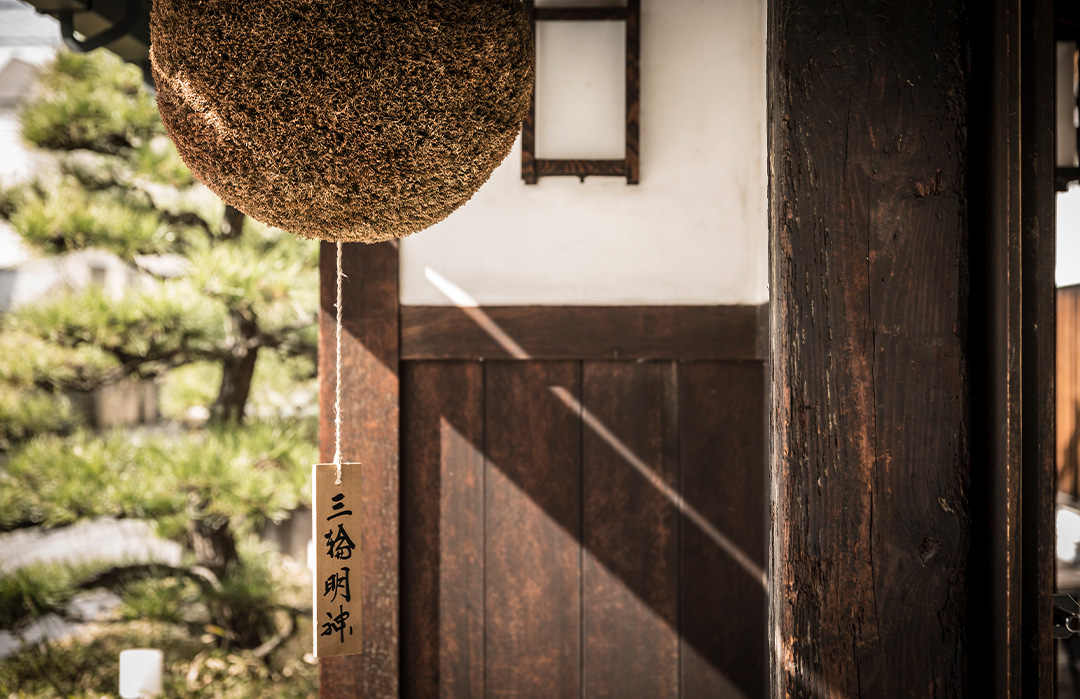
(694, 231)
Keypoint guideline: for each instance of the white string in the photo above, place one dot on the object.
(337, 370)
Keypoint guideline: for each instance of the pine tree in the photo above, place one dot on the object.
(238, 315)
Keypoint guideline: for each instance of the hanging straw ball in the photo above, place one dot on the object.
(345, 120)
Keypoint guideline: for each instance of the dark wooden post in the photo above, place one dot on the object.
(369, 406)
(910, 332)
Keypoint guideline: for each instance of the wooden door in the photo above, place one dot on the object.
(583, 528)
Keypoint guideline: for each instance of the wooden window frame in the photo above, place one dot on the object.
(533, 168)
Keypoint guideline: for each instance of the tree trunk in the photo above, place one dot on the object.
(212, 542)
(232, 223)
(238, 369)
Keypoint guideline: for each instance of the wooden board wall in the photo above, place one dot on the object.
(583, 528)
(572, 503)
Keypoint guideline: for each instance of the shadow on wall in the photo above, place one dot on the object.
(569, 517)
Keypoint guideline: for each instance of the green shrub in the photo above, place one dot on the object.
(248, 474)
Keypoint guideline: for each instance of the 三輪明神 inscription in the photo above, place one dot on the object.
(336, 523)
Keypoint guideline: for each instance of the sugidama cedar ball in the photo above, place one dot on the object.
(344, 120)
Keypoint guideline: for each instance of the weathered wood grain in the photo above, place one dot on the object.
(550, 167)
(581, 13)
(442, 482)
(533, 529)
(369, 406)
(583, 332)
(722, 543)
(630, 454)
(870, 392)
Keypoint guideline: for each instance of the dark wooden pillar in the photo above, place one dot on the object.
(910, 246)
(369, 406)
(1012, 485)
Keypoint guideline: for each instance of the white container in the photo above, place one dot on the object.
(140, 673)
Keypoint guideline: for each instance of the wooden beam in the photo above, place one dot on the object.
(582, 332)
(912, 349)
(579, 168)
(870, 458)
(581, 14)
(369, 409)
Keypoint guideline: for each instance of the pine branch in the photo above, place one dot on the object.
(287, 339)
(185, 219)
(122, 575)
(281, 637)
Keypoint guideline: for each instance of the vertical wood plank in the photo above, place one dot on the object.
(995, 492)
(442, 614)
(1010, 348)
(630, 576)
(1037, 226)
(369, 404)
(533, 529)
(1068, 390)
(723, 539)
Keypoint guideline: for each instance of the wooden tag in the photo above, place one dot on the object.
(336, 530)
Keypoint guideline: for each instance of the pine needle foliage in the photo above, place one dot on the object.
(118, 185)
(246, 474)
(116, 116)
(218, 312)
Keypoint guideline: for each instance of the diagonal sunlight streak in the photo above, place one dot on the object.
(469, 306)
(727, 545)
(809, 680)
